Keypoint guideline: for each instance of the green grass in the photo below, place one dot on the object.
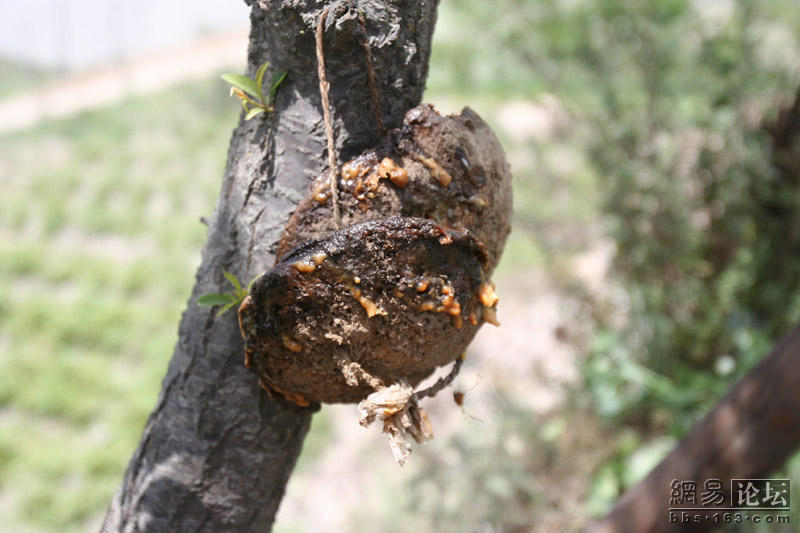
(99, 239)
(16, 78)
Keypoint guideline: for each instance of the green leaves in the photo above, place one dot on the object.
(260, 78)
(251, 90)
(233, 280)
(245, 84)
(228, 299)
(276, 81)
(212, 299)
(253, 112)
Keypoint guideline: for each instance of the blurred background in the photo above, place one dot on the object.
(655, 254)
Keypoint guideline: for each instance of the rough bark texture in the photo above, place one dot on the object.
(216, 452)
(750, 433)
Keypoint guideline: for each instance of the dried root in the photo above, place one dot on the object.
(398, 407)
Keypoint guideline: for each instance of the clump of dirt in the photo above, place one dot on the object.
(399, 297)
(451, 170)
(404, 287)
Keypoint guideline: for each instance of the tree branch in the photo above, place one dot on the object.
(754, 429)
(216, 452)
(750, 433)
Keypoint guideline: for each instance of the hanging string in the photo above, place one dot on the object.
(324, 87)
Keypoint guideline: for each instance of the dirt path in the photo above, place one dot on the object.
(147, 74)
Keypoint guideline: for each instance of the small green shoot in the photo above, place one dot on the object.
(229, 299)
(251, 91)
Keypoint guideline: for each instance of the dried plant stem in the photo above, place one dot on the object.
(398, 407)
(324, 87)
(441, 383)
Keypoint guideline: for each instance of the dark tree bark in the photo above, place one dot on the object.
(750, 433)
(785, 134)
(216, 452)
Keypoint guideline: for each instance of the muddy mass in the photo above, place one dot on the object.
(404, 287)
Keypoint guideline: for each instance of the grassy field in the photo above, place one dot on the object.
(17, 78)
(99, 239)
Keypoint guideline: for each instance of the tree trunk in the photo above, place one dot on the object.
(750, 433)
(216, 452)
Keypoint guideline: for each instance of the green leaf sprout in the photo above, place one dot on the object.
(227, 300)
(250, 91)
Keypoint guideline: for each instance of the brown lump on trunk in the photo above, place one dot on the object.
(300, 324)
(451, 170)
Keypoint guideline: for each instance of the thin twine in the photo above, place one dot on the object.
(324, 87)
(441, 382)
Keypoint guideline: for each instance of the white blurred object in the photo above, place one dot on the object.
(540, 119)
(79, 34)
